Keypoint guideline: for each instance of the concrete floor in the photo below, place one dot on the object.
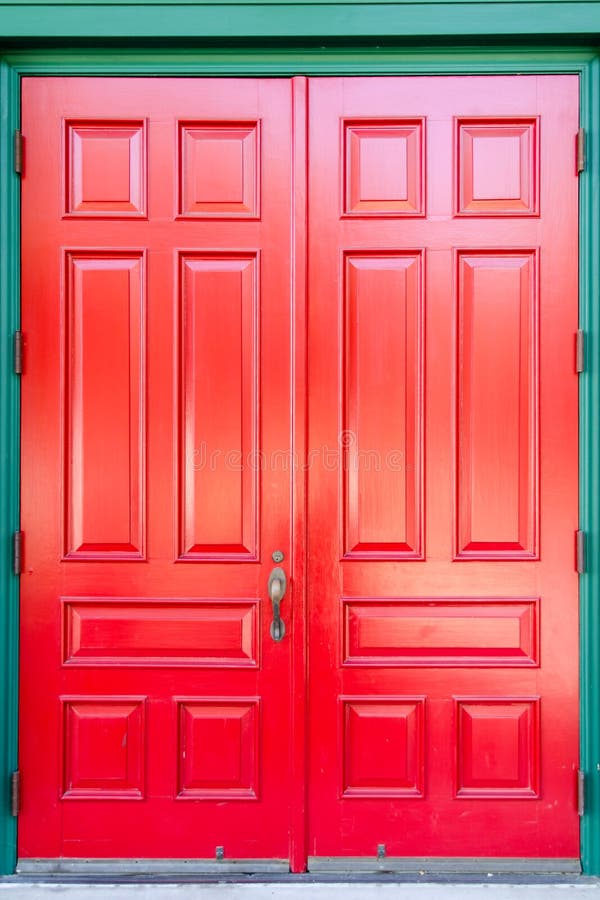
(579, 889)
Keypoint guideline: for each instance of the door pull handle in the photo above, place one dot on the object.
(277, 586)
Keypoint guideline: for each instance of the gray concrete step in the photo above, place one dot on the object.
(577, 889)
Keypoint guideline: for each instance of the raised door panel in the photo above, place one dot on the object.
(498, 166)
(104, 361)
(104, 748)
(105, 168)
(497, 405)
(383, 167)
(382, 435)
(383, 740)
(497, 747)
(219, 169)
(436, 632)
(218, 751)
(116, 631)
(218, 407)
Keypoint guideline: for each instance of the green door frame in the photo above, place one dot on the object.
(286, 58)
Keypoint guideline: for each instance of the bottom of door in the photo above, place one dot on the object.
(441, 865)
(173, 867)
(333, 865)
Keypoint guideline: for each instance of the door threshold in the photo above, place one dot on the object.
(140, 867)
(345, 866)
(451, 865)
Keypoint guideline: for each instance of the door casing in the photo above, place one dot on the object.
(107, 61)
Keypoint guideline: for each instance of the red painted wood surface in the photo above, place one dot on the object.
(156, 311)
(298, 398)
(164, 251)
(442, 605)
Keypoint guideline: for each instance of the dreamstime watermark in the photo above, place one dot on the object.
(346, 455)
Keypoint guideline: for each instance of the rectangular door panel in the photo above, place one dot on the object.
(427, 632)
(383, 406)
(497, 442)
(109, 631)
(218, 428)
(105, 365)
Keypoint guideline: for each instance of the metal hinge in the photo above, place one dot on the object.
(18, 353)
(18, 552)
(580, 151)
(18, 152)
(580, 792)
(15, 793)
(579, 351)
(580, 552)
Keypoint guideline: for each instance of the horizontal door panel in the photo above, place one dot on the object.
(114, 631)
(434, 632)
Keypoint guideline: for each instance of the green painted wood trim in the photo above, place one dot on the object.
(295, 19)
(9, 455)
(264, 61)
(589, 433)
(14, 4)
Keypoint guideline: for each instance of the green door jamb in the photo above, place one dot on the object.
(256, 61)
(9, 455)
(589, 456)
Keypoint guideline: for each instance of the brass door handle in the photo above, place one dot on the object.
(277, 585)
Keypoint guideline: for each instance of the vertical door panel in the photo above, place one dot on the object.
(497, 442)
(218, 339)
(156, 281)
(382, 422)
(105, 405)
(443, 643)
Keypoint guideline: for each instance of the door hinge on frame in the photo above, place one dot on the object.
(580, 151)
(18, 152)
(580, 552)
(580, 792)
(579, 351)
(18, 552)
(18, 353)
(15, 793)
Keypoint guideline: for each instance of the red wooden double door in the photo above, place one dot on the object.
(181, 239)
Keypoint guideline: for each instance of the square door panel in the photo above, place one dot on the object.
(498, 747)
(497, 167)
(219, 166)
(217, 748)
(103, 748)
(382, 741)
(105, 169)
(383, 167)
